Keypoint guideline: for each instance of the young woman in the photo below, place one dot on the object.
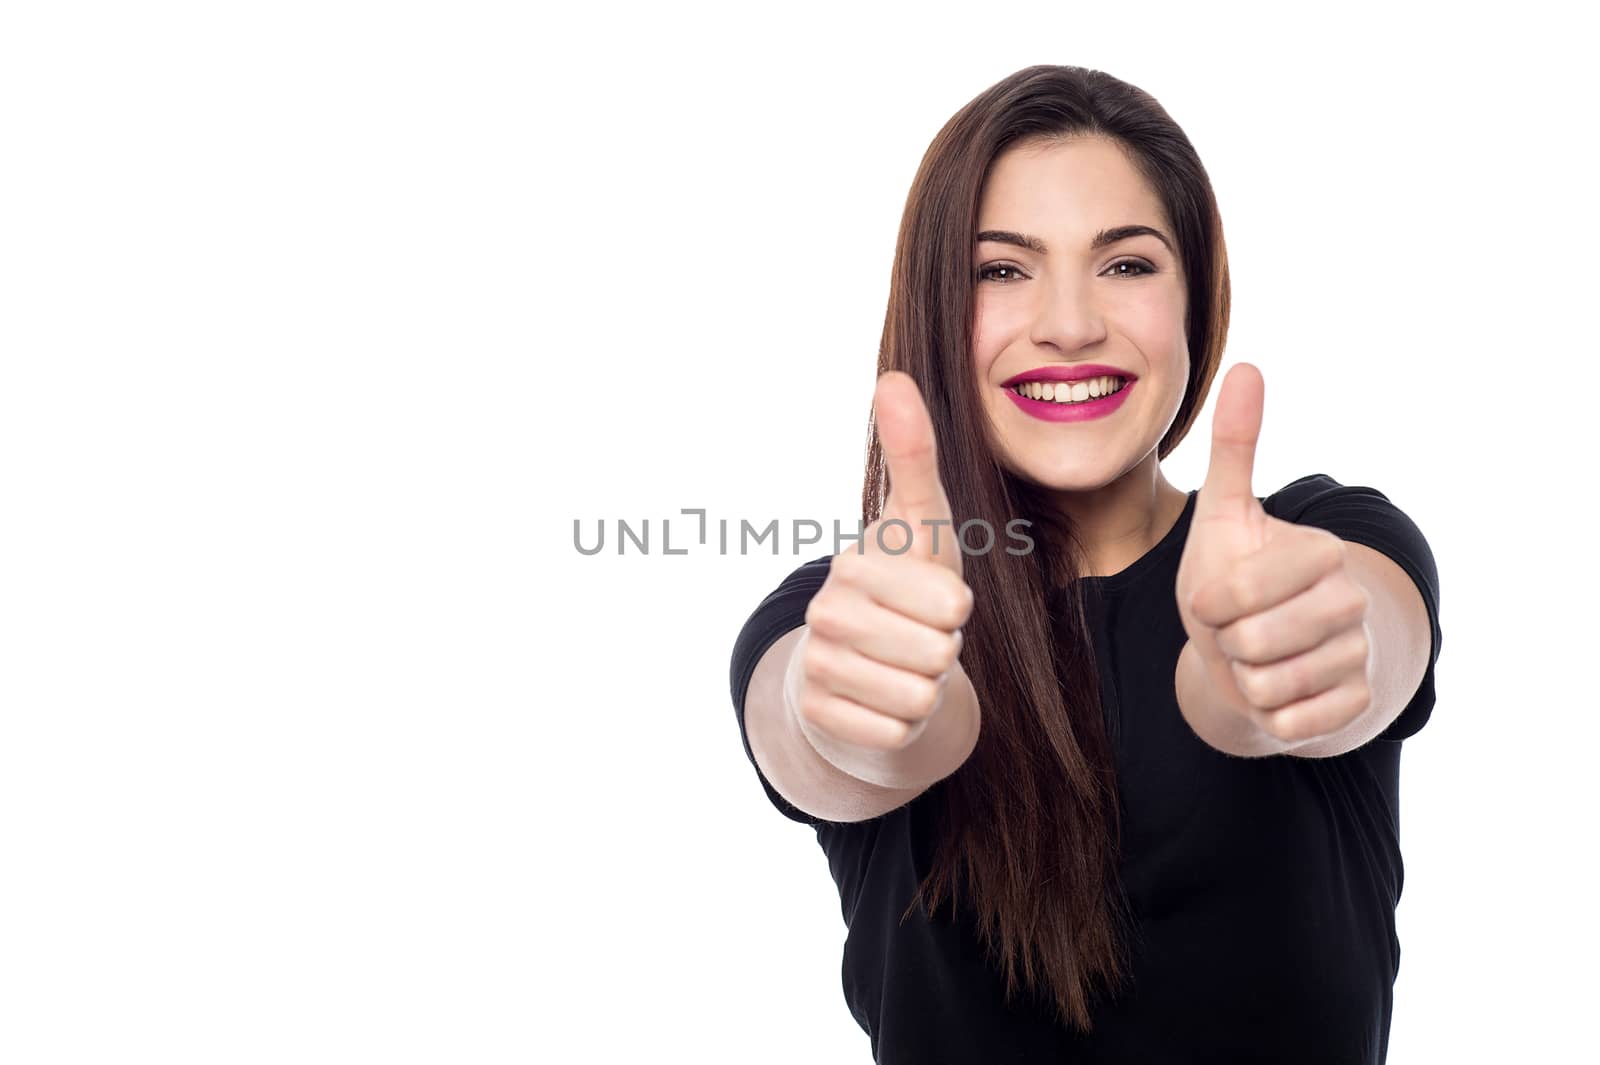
(1124, 788)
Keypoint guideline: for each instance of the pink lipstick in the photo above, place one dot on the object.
(1051, 411)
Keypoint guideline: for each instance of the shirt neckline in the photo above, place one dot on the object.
(1147, 561)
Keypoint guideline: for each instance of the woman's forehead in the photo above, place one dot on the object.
(1085, 183)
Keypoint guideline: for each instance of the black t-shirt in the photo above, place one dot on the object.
(1263, 889)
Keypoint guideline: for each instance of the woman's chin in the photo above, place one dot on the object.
(1065, 478)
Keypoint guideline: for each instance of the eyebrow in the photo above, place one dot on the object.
(1104, 238)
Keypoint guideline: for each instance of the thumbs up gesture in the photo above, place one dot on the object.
(916, 496)
(883, 632)
(1271, 607)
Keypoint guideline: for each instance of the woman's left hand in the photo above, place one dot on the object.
(1269, 604)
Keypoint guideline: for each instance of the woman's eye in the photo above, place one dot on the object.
(1005, 272)
(990, 272)
(1138, 268)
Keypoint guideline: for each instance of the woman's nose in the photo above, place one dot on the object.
(1067, 316)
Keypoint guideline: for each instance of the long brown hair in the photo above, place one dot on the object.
(1030, 826)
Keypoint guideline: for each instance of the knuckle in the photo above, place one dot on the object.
(1287, 727)
(967, 600)
(948, 654)
(1356, 602)
(826, 618)
(1242, 588)
(817, 607)
(905, 734)
(1248, 681)
(1296, 682)
(954, 603)
(922, 694)
(849, 566)
(1251, 640)
(819, 666)
(1276, 726)
(953, 612)
(1359, 647)
(813, 707)
(1334, 550)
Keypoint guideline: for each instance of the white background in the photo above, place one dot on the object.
(323, 322)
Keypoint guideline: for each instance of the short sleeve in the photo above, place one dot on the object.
(781, 612)
(1366, 516)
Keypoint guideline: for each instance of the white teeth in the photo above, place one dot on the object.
(1074, 392)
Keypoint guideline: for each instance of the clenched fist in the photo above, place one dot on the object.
(1270, 606)
(883, 631)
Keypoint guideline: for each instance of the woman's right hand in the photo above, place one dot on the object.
(883, 631)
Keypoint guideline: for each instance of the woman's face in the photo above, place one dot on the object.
(1060, 290)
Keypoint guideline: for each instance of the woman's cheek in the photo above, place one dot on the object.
(985, 350)
(990, 334)
(981, 348)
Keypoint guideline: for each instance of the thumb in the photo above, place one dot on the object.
(905, 431)
(1235, 428)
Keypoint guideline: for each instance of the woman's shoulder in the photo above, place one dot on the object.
(1319, 491)
(1364, 515)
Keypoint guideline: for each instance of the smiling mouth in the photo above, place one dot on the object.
(1069, 393)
